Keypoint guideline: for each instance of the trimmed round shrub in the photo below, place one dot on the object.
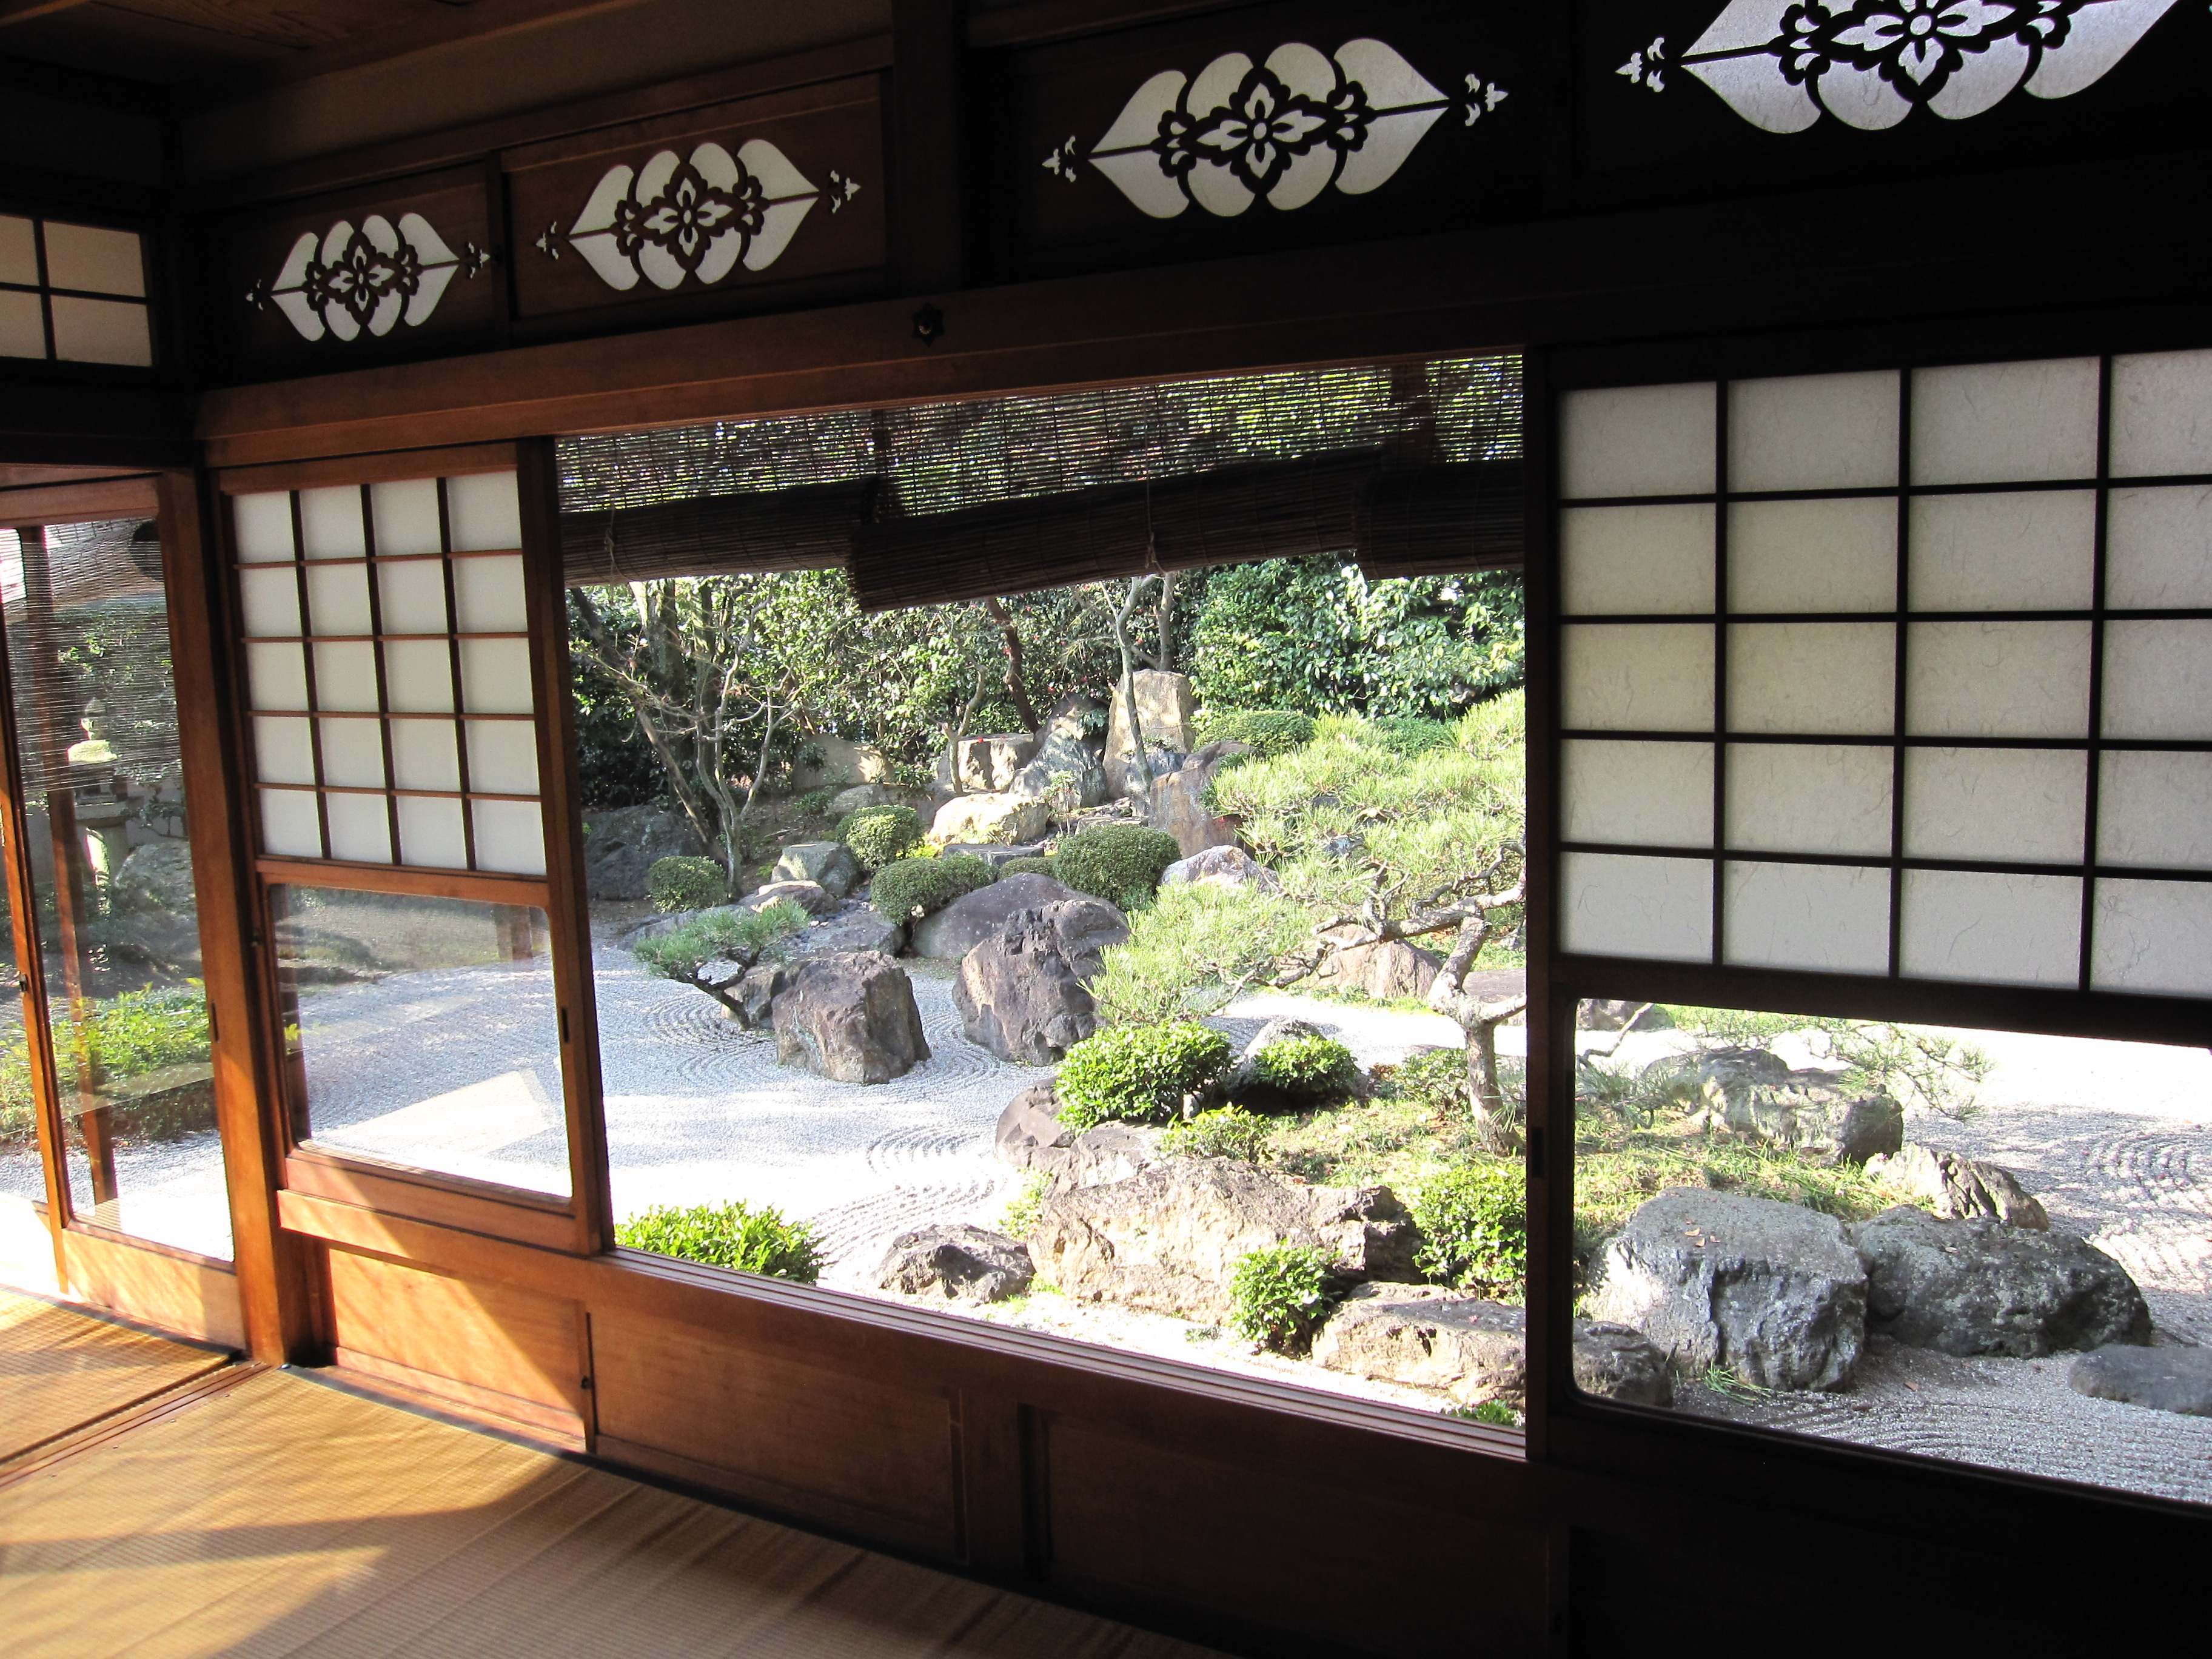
(907, 890)
(1280, 1294)
(1309, 1070)
(1120, 863)
(879, 835)
(1474, 1225)
(753, 1240)
(1405, 734)
(686, 885)
(1025, 867)
(1272, 732)
(1229, 1132)
(1138, 1073)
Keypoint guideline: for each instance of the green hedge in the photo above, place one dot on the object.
(879, 835)
(686, 885)
(1120, 863)
(1027, 867)
(1138, 1073)
(1311, 1070)
(907, 890)
(753, 1240)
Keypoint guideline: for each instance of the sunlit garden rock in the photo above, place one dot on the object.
(1018, 994)
(850, 1016)
(959, 1262)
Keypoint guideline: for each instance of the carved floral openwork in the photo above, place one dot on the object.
(693, 218)
(349, 281)
(1282, 132)
(1782, 63)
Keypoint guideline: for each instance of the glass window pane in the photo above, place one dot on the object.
(118, 925)
(1637, 561)
(425, 1032)
(1813, 431)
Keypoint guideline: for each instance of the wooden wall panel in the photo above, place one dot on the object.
(169, 1290)
(857, 1452)
(510, 1352)
(1128, 1518)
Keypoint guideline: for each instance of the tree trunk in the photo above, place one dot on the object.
(1016, 689)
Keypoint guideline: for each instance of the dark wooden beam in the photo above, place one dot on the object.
(23, 11)
(929, 48)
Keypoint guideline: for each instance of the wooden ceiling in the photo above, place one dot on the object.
(221, 46)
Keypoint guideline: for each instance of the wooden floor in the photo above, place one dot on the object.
(282, 1517)
(61, 1370)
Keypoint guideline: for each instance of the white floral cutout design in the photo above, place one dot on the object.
(695, 217)
(347, 283)
(1782, 63)
(1283, 130)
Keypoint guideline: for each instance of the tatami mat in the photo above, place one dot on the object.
(60, 1369)
(282, 1517)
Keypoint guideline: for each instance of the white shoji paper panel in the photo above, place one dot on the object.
(2156, 810)
(2152, 936)
(2003, 929)
(1813, 431)
(2014, 550)
(283, 750)
(1639, 677)
(338, 599)
(331, 525)
(2158, 679)
(1819, 678)
(95, 259)
(271, 601)
(1647, 795)
(19, 250)
(2014, 805)
(424, 755)
(484, 512)
(510, 836)
(1823, 917)
(488, 596)
(276, 676)
(413, 595)
(2018, 679)
(289, 827)
(263, 526)
(406, 517)
(430, 832)
(1638, 441)
(418, 676)
(2158, 548)
(1627, 561)
(361, 827)
(1619, 905)
(353, 752)
(345, 675)
(102, 331)
(2005, 423)
(503, 757)
(1813, 556)
(22, 325)
(2162, 414)
(496, 677)
(1810, 798)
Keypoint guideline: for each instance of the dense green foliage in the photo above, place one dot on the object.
(1138, 1073)
(1226, 1132)
(1279, 1295)
(1315, 635)
(686, 884)
(735, 1235)
(1120, 863)
(1915, 1066)
(1435, 1081)
(1270, 732)
(877, 834)
(907, 890)
(1193, 950)
(1406, 734)
(124, 1036)
(1026, 866)
(1311, 1070)
(615, 763)
(1473, 1219)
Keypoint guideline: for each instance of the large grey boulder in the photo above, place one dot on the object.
(1030, 1136)
(1177, 805)
(829, 864)
(1773, 1293)
(852, 926)
(1170, 1238)
(1166, 712)
(992, 853)
(1006, 819)
(1426, 1337)
(2163, 1379)
(1979, 1287)
(1618, 1362)
(1389, 971)
(809, 895)
(842, 761)
(1087, 928)
(1957, 1187)
(1752, 1092)
(988, 763)
(1226, 866)
(878, 794)
(620, 845)
(1065, 773)
(1019, 995)
(850, 1016)
(958, 1262)
(951, 933)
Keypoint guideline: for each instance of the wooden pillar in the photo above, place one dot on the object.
(928, 236)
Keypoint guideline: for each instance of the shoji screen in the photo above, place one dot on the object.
(389, 669)
(1902, 673)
